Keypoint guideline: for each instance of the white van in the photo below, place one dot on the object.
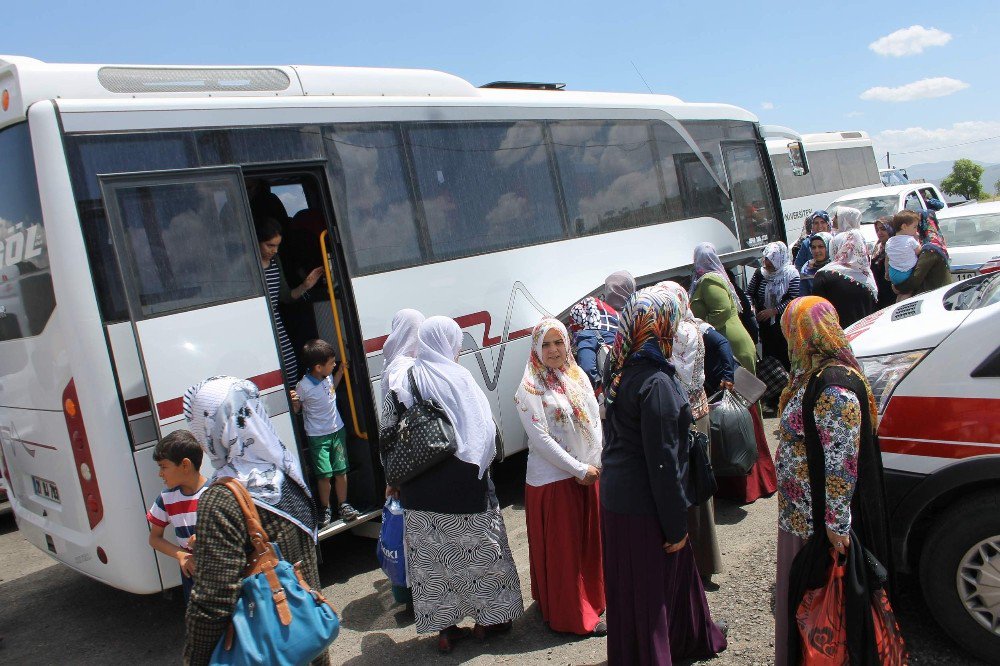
(933, 362)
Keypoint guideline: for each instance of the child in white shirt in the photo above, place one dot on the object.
(903, 248)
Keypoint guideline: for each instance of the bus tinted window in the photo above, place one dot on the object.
(93, 155)
(259, 145)
(608, 175)
(683, 172)
(853, 166)
(825, 167)
(381, 228)
(750, 194)
(792, 186)
(188, 243)
(26, 296)
(484, 187)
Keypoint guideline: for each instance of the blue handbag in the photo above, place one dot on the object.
(390, 543)
(278, 618)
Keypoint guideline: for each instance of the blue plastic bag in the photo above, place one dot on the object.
(390, 543)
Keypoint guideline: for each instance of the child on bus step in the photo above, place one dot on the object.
(179, 458)
(316, 396)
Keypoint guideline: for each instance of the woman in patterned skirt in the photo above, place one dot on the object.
(458, 561)
(559, 412)
(268, 232)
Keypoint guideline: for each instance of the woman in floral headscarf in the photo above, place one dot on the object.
(559, 412)
(657, 610)
(847, 281)
(772, 288)
(826, 390)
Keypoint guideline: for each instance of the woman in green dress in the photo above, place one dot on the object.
(714, 299)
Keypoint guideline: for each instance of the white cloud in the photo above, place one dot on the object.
(939, 86)
(854, 114)
(767, 106)
(909, 41)
(916, 145)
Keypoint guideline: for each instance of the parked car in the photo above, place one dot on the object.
(933, 362)
(973, 236)
(882, 201)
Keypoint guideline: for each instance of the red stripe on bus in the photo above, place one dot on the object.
(945, 419)
(465, 321)
(41, 446)
(175, 406)
(936, 449)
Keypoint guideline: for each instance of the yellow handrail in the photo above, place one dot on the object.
(340, 337)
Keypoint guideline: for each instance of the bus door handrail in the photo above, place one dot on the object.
(361, 434)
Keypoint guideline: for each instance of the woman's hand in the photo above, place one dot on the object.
(839, 543)
(392, 492)
(591, 478)
(764, 315)
(312, 278)
(674, 547)
(726, 385)
(186, 560)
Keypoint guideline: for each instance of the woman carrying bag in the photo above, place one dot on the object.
(458, 560)
(227, 417)
(828, 410)
(560, 415)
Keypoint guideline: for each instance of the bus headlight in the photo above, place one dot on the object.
(885, 372)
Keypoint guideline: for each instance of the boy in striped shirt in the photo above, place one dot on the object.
(179, 458)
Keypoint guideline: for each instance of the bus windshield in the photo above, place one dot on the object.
(871, 208)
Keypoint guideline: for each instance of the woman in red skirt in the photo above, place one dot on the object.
(560, 414)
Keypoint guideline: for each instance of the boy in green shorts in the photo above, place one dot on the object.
(316, 396)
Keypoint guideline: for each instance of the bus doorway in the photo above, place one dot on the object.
(294, 199)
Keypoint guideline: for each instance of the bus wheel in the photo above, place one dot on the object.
(960, 574)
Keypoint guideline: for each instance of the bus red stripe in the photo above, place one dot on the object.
(946, 419)
(935, 449)
(175, 406)
(465, 321)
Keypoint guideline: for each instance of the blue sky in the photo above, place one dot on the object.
(801, 64)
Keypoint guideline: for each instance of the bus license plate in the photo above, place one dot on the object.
(965, 276)
(46, 489)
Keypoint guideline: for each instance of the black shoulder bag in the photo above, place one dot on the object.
(423, 437)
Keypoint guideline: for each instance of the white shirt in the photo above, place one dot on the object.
(319, 405)
(548, 460)
(901, 251)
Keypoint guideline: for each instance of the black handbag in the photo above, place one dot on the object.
(734, 442)
(422, 438)
(701, 483)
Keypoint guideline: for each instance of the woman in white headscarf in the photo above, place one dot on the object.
(846, 218)
(559, 412)
(847, 281)
(227, 417)
(688, 358)
(458, 561)
(772, 288)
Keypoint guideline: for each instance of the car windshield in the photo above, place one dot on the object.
(971, 230)
(890, 178)
(871, 208)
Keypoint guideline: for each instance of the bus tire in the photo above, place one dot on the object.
(963, 547)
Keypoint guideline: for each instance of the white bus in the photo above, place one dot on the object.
(127, 198)
(838, 163)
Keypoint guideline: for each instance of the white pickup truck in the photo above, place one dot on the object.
(886, 201)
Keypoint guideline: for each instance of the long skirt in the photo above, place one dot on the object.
(657, 610)
(459, 566)
(788, 547)
(762, 481)
(564, 546)
(701, 527)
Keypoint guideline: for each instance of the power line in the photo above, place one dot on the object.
(954, 145)
(642, 77)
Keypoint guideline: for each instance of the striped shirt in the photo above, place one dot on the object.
(175, 508)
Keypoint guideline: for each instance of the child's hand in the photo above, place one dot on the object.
(190, 545)
(296, 403)
(345, 363)
(187, 562)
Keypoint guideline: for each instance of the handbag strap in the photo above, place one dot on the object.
(413, 386)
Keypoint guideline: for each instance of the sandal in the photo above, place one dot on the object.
(448, 637)
(481, 631)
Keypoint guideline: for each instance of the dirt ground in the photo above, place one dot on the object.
(52, 615)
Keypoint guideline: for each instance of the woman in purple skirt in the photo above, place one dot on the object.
(657, 610)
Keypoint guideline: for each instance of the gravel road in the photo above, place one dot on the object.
(49, 614)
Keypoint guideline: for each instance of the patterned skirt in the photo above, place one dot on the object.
(459, 566)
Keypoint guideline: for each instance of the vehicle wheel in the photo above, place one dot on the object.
(960, 574)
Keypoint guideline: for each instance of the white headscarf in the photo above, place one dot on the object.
(227, 417)
(850, 259)
(847, 218)
(688, 354)
(562, 400)
(440, 377)
(777, 281)
(706, 260)
(398, 352)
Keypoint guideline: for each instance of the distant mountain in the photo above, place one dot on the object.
(935, 172)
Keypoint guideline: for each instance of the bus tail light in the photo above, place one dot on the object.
(81, 455)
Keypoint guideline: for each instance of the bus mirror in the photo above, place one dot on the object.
(797, 156)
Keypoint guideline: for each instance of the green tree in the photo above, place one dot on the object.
(964, 180)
